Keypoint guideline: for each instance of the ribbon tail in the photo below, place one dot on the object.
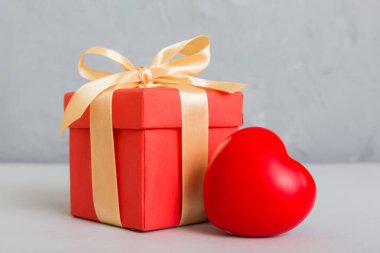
(186, 80)
(103, 165)
(229, 87)
(86, 94)
(194, 106)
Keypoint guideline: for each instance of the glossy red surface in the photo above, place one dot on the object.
(254, 189)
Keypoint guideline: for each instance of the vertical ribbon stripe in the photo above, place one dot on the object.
(194, 107)
(103, 165)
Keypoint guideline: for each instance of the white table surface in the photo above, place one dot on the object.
(34, 217)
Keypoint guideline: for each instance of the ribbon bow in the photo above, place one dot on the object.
(164, 71)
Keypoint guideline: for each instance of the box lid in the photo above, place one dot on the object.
(143, 108)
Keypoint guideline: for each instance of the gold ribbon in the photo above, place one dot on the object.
(164, 71)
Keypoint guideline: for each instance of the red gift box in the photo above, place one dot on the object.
(147, 139)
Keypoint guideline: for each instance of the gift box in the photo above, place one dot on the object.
(140, 138)
(147, 139)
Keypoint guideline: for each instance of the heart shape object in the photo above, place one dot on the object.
(253, 188)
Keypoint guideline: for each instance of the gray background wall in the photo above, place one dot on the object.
(312, 67)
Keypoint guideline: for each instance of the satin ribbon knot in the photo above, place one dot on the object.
(145, 76)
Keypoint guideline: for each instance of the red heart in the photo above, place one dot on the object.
(253, 188)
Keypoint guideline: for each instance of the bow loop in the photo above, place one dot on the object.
(195, 57)
(92, 74)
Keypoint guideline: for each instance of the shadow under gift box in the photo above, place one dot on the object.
(147, 139)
